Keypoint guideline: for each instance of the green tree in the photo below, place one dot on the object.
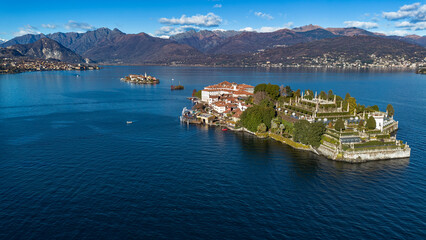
(287, 92)
(360, 108)
(374, 108)
(330, 95)
(255, 115)
(340, 125)
(323, 95)
(260, 88)
(371, 123)
(197, 94)
(273, 91)
(352, 104)
(261, 128)
(308, 133)
(309, 93)
(297, 93)
(347, 96)
(288, 127)
(301, 131)
(266, 103)
(390, 110)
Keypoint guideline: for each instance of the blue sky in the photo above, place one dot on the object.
(162, 18)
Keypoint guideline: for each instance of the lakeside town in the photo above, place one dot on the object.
(19, 65)
(338, 128)
(387, 62)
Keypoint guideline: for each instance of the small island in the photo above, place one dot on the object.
(326, 124)
(140, 79)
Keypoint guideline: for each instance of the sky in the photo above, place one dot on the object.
(165, 18)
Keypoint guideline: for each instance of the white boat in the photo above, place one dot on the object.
(129, 122)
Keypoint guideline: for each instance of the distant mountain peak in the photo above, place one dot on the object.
(306, 28)
(413, 36)
(117, 30)
(46, 48)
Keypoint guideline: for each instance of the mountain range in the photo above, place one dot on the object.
(46, 48)
(104, 45)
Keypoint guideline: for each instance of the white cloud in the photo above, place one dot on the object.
(410, 7)
(288, 25)
(28, 29)
(217, 5)
(267, 29)
(247, 29)
(396, 32)
(50, 26)
(167, 31)
(208, 20)
(73, 25)
(414, 12)
(375, 19)
(264, 15)
(358, 24)
(411, 26)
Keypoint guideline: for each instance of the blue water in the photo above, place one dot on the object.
(71, 168)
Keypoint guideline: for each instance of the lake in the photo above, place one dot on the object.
(70, 166)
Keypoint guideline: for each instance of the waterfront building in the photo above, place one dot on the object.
(227, 98)
(210, 93)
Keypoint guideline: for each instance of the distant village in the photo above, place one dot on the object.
(18, 65)
(331, 61)
(326, 124)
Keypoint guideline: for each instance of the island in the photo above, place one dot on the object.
(326, 124)
(140, 79)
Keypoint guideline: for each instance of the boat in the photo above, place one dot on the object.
(224, 129)
(177, 87)
(129, 122)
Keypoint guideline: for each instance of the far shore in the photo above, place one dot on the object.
(351, 69)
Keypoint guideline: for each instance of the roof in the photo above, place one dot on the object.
(238, 113)
(228, 85)
(220, 104)
(245, 85)
(242, 92)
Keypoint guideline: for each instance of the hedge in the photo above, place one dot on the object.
(333, 114)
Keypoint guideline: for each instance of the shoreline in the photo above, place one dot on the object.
(373, 155)
(324, 151)
(379, 68)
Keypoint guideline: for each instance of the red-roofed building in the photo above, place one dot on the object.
(232, 89)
